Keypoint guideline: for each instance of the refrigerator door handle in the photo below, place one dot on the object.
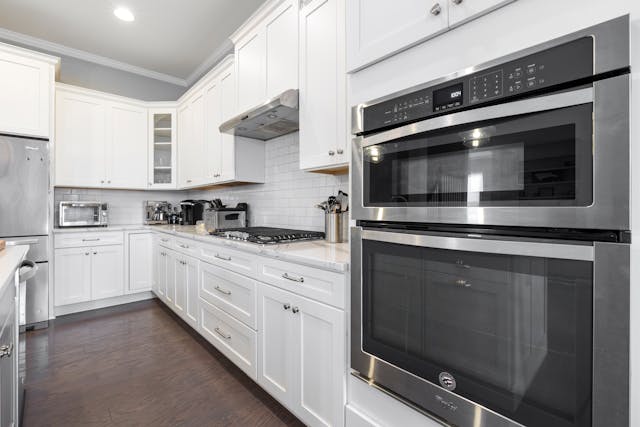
(22, 242)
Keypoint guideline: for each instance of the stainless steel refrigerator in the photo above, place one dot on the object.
(24, 217)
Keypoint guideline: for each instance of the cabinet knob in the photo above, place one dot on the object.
(109, 182)
(86, 253)
(95, 253)
(340, 151)
(286, 306)
(188, 181)
(295, 310)
(150, 184)
(457, 1)
(436, 9)
(102, 182)
(332, 153)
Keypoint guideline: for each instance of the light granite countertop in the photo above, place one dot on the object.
(314, 253)
(10, 260)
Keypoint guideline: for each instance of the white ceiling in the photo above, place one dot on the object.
(170, 37)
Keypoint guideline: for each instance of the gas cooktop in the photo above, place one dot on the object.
(268, 235)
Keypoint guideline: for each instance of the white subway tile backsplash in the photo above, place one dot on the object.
(286, 199)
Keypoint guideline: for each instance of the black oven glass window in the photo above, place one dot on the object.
(514, 331)
(538, 159)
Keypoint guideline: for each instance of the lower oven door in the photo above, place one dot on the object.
(493, 332)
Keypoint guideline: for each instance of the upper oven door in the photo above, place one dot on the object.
(559, 160)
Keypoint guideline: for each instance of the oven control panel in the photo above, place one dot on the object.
(557, 66)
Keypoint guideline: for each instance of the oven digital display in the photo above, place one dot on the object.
(447, 97)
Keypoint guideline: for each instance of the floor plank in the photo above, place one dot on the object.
(137, 365)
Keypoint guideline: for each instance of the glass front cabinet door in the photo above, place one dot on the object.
(162, 148)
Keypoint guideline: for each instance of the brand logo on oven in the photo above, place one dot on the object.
(447, 404)
(447, 381)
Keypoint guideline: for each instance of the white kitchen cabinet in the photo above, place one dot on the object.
(140, 264)
(72, 275)
(228, 107)
(88, 273)
(107, 275)
(323, 128)
(379, 28)
(81, 124)
(180, 300)
(191, 149)
(161, 270)
(170, 278)
(9, 415)
(26, 91)
(266, 53)
(251, 71)
(127, 148)
(212, 134)
(101, 140)
(281, 42)
(466, 10)
(302, 355)
(163, 138)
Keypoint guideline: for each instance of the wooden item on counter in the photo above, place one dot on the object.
(3, 244)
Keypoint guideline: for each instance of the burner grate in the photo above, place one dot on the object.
(268, 235)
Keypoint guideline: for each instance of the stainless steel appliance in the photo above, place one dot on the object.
(156, 212)
(490, 262)
(268, 235)
(220, 218)
(275, 117)
(538, 139)
(83, 214)
(24, 216)
(192, 211)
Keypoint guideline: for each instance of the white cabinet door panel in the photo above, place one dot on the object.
(80, 141)
(141, 262)
(379, 28)
(276, 343)
(227, 110)
(25, 94)
(212, 136)
(127, 146)
(107, 274)
(192, 306)
(471, 9)
(72, 275)
(250, 71)
(179, 302)
(282, 49)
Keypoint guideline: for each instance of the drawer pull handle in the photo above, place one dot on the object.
(95, 252)
(463, 283)
(222, 291)
(6, 351)
(286, 306)
(184, 246)
(223, 334)
(293, 278)
(164, 240)
(224, 258)
(295, 310)
(91, 240)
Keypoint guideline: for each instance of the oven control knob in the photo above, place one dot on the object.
(447, 381)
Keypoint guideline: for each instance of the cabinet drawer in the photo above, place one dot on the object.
(237, 261)
(320, 285)
(186, 246)
(231, 292)
(165, 240)
(233, 339)
(76, 240)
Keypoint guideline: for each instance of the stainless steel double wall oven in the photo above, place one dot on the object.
(490, 262)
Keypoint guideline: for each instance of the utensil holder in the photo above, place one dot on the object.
(335, 225)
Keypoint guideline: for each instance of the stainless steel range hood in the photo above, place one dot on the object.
(276, 117)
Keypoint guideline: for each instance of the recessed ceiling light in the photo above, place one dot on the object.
(124, 14)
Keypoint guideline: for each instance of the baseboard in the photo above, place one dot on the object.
(107, 302)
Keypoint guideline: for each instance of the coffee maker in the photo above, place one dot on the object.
(192, 211)
(156, 212)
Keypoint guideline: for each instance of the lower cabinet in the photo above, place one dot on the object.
(88, 273)
(9, 360)
(302, 356)
(139, 247)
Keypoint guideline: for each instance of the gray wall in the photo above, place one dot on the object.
(85, 74)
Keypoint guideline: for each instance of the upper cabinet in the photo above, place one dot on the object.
(26, 91)
(163, 137)
(207, 156)
(266, 54)
(377, 29)
(323, 133)
(101, 140)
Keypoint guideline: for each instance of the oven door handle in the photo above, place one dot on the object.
(501, 247)
(508, 109)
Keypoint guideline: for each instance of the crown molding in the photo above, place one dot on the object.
(212, 60)
(89, 57)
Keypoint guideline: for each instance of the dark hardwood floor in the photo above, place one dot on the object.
(137, 365)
